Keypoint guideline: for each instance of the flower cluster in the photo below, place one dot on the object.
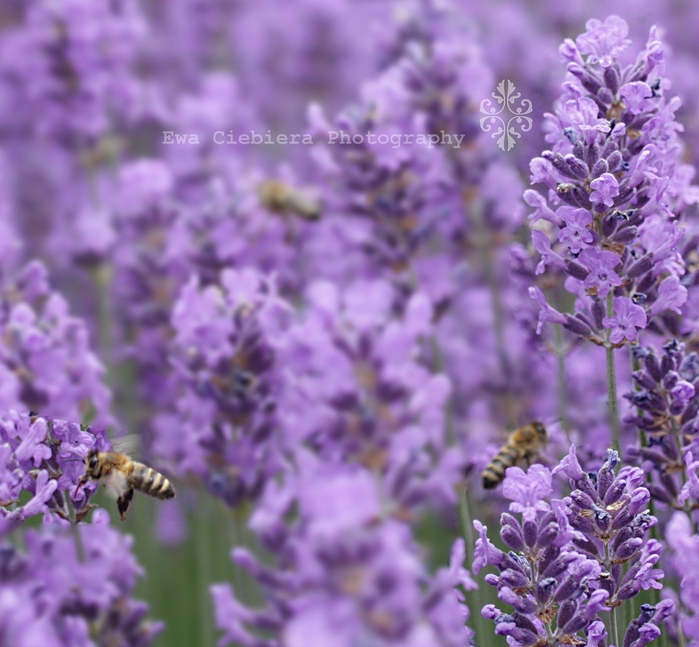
(666, 409)
(615, 190)
(45, 457)
(565, 565)
(379, 405)
(46, 363)
(224, 424)
(609, 513)
(345, 573)
(58, 592)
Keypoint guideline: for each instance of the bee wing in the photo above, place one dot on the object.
(130, 445)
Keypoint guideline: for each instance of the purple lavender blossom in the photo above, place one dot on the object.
(611, 524)
(224, 427)
(45, 457)
(611, 176)
(346, 573)
(561, 597)
(83, 596)
(45, 356)
(684, 543)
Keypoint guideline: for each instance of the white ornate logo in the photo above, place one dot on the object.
(506, 133)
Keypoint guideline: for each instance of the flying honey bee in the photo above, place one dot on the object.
(280, 197)
(121, 476)
(523, 448)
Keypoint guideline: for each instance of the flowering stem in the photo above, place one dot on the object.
(486, 248)
(611, 384)
(101, 275)
(613, 622)
(561, 375)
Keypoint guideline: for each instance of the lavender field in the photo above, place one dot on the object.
(400, 297)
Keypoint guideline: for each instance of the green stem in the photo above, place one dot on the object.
(101, 275)
(562, 391)
(680, 634)
(611, 385)
(614, 625)
(486, 249)
(472, 597)
(203, 547)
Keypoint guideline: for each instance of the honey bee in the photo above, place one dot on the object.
(523, 448)
(121, 476)
(280, 197)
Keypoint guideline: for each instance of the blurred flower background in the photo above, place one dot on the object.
(292, 247)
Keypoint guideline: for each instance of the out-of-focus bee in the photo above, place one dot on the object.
(523, 448)
(121, 476)
(280, 197)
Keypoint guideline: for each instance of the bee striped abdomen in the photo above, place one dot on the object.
(494, 473)
(151, 482)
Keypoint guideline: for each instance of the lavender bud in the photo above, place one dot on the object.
(667, 364)
(601, 166)
(604, 96)
(614, 161)
(578, 623)
(559, 163)
(577, 270)
(670, 379)
(566, 612)
(625, 235)
(622, 519)
(611, 79)
(565, 192)
(548, 534)
(557, 567)
(514, 580)
(603, 520)
(529, 529)
(598, 312)
(628, 549)
(653, 366)
(581, 197)
(574, 324)
(615, 492)
(544, 588)
(587, 547)
(592, 154)
(609, 225)
(511, 538)
(641, 266)
(582, 500)
(577, 167)
(567, 589)
(625, 190)
(660, 494)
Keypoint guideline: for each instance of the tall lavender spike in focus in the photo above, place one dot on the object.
(610, 227)
(667, 414)
(552, 587)
(608, 513)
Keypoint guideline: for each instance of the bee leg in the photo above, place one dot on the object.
(123, 503)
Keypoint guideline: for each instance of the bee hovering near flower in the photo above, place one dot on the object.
(121, 476)
(282, 198)
(524, 447)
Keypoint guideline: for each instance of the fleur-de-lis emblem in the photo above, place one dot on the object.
(507, 97)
